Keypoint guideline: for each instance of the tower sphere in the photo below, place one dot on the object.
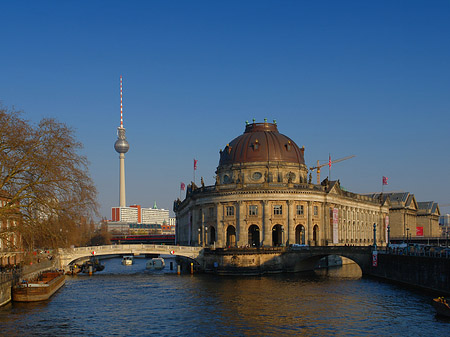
(121, 146)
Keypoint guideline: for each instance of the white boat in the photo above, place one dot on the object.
(127, 260)
(156, 263)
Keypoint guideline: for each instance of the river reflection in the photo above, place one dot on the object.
(131, 301)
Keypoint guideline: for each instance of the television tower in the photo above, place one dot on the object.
(121, 146)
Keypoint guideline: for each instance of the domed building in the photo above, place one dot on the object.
(263, 198)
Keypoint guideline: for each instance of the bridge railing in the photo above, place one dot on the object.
(441, 253)
(134, 247)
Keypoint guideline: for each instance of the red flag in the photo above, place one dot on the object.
(329, 161)
(195, 164)
(385, 179)
(183, 186)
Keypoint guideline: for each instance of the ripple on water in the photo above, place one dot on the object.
(135, 302)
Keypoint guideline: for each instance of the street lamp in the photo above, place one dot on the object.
(199, 235)
(446, 238)
(375, 236)
(206, 236)
(389, 236)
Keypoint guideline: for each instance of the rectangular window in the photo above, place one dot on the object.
(211, 212)
(316, 210)
(278, 209)
(230, 211)
(252, 210)
(299, 209)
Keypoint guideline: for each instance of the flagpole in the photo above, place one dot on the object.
(194, 171)
(383, 182)
(329, 167)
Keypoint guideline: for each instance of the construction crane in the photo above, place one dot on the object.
(318, 167)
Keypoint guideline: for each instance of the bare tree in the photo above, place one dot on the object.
(45, 178)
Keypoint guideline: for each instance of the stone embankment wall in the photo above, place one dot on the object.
(432, 273)
(5, 288)
(32, 271)
(27, 272)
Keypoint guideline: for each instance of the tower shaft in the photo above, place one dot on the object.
(122, 199)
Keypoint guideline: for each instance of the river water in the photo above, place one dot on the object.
(132, 301)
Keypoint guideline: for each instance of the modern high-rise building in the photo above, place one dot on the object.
(155, 215)
(126, 214)
(139, 215)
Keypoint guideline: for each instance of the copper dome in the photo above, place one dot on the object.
(261, 142)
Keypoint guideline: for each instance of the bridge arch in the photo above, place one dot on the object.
(308, 257)
(69, 255)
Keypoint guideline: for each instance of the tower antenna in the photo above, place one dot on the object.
(121, 111)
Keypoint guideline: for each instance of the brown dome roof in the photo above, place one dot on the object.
(261, 142)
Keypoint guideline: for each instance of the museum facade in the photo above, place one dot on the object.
(263, 197)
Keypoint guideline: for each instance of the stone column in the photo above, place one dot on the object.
(380, 228)
(290, 231)
(241, 239)
(309, 225)
(219, 226)
(325, 224)
(267, 231)
(203, 224)
(194, 227)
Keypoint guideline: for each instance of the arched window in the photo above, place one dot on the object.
(212, 235)
(316, 235)
(300, 235)
(253, 236)
(277, 236)
(231, 236)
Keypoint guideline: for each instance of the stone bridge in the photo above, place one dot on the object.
(69, 255)
(280, 259)
(231, 260)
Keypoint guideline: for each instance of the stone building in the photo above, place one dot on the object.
(428, 219)
(263, 197)
(409, 218)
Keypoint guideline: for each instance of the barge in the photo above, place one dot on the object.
(41, 289)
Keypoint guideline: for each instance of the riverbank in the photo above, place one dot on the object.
(7, 279)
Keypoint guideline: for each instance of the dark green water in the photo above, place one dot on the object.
(130, 301)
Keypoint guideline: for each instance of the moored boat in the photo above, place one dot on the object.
(156, 263)
(40, 289)
(92, 266)
(441, 306)
(127, 260)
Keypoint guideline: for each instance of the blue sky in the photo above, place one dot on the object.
(364, 78)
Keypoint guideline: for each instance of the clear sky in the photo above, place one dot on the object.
(364, 78)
